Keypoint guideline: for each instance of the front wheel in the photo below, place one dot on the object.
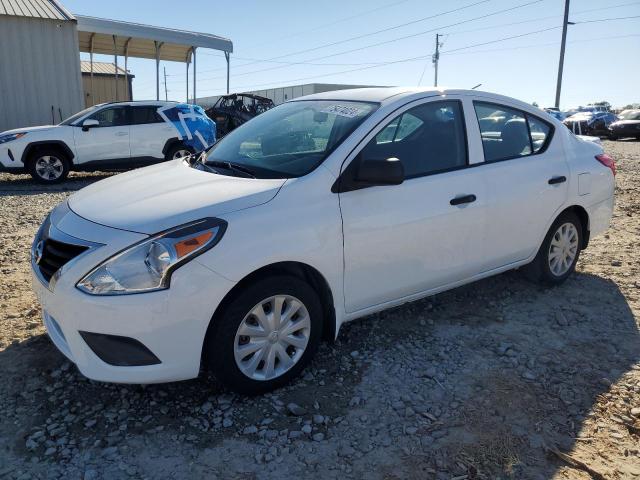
(559, 253)
(265, 336)
(48, 166)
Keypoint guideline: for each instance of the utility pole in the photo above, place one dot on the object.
(165, 83)
(564, 42)
(436, 57)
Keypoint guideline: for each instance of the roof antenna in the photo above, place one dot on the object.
(478, 85)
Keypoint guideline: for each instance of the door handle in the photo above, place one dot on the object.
(556, 180)
(121, 134)
(463, 199)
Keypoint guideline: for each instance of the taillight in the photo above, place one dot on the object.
(607, 161)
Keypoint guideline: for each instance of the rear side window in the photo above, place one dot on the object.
(429, 138)
(539, 132)
(144, 115)
(509, 133)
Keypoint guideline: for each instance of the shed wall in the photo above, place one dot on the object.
(104, 89)
(39, 71)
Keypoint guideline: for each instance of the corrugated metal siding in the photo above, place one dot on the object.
(39, 69)
(35, 9)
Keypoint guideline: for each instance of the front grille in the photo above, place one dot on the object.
(55, 254)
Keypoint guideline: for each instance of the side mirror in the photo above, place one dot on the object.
(89, 123)
(380, 172)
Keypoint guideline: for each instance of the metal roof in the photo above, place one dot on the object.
(101, 68)
(176, 44)
(48, 9)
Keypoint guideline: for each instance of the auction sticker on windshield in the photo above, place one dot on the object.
(348, 111)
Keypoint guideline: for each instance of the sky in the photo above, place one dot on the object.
(513, 50)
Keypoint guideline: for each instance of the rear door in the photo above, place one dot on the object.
(107, 143)
(427, 232)
(527, 180)
(149, 134)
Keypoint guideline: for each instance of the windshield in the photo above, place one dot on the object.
(292, 139)
(78, 115)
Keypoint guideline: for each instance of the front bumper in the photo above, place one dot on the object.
(171, 324)
(11, 157)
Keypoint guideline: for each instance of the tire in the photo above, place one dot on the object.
(613, 137)
(546, 271)
(224, 342)
(177, 151)
(48, 165)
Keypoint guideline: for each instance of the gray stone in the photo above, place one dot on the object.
(296, 410)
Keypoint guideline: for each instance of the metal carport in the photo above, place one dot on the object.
(114, 37)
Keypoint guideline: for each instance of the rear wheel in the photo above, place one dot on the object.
(559, 253)
(266, 335)
(48, 166)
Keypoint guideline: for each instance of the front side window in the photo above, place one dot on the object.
(509, 133)
(429, 138)
(111, 117)
(76, 116)
(292, 139)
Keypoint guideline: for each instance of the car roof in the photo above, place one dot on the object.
(391, 94)
(158, 103)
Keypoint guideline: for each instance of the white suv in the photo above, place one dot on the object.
(105, 137)
(317, 212)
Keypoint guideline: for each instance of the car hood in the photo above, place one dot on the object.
(29, 129)
(153, 199)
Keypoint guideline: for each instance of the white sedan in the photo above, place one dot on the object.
(320, 211)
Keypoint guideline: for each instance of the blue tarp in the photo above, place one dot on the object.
(192, 125)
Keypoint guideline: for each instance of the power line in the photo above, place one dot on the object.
(364, 35)
(329, 24)
(421, 57)
(607, 19)
(252, 60)
(531, 20)
(388, 29)
(388, 41)
(536, 45)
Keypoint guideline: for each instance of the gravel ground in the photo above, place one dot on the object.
(499, 379)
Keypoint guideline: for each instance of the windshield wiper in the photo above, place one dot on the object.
(234, 167)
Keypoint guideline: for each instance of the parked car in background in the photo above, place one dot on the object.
(108, 136)
(627, 125)
(231, 111)
(322, 210)
(591, 123)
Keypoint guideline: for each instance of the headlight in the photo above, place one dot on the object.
(148, 265)
(11, 136)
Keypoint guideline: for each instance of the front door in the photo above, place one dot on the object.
(107, 143)
(425, 233)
